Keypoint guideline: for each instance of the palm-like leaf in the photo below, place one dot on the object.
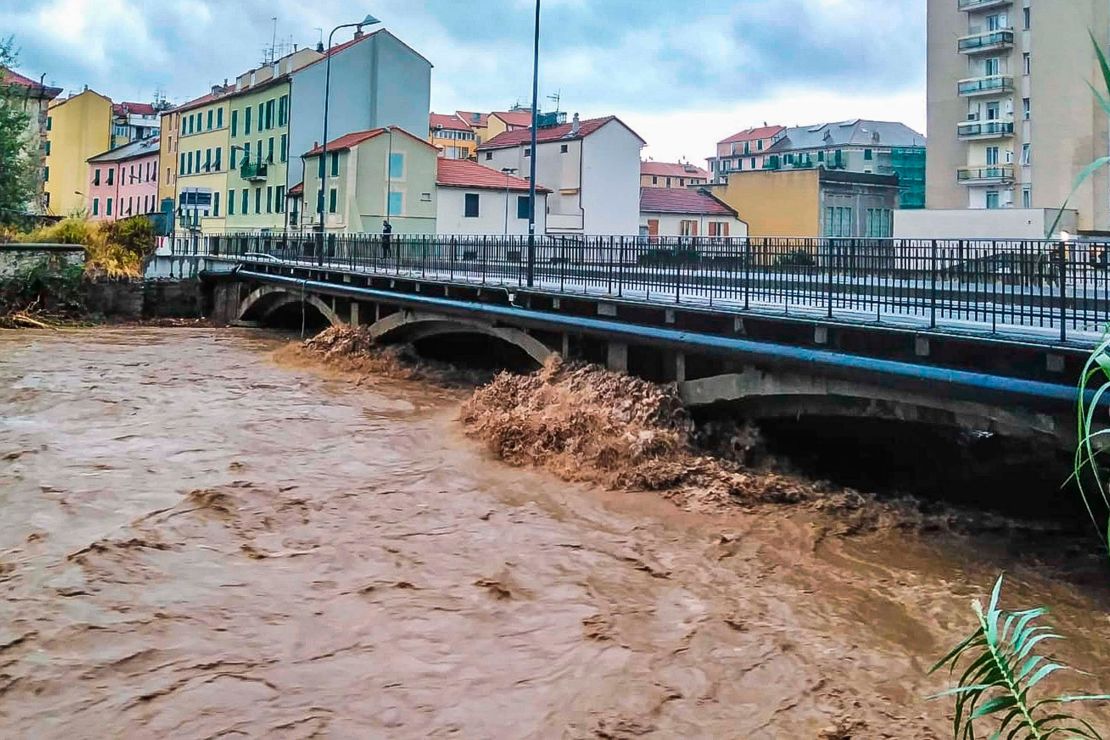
(1004, 667)
(1094, 384)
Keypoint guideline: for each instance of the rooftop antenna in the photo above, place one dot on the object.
(555, 99)
(273, 41)
(320, 43)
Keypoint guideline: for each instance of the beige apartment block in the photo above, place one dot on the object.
(1012, 119)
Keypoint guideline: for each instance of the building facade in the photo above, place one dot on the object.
(202, 160)
(367, 178)
(33, 98)
(1012, 118)
(692, 213)
(592, 168)
(813, 202)
(77, 128)
(123, 182)
(258, 156)
(453, 136)
(743, 151)
(671, 175)
(476, 200)
(134, 121)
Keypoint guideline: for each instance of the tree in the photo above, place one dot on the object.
(17, 163)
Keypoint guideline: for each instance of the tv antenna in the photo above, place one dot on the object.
(556, 98)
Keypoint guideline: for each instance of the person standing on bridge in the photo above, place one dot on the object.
(387, 237)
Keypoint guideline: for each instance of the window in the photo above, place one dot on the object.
(211, 116)
(231, 200)
(258, 200)
(333, 201)
(668, 182)
(284, 146)
(868, 155)
(753, 163)
(46, 147)
(279, 199)
(270, 114)
(220, 118)
(396, 203)
(1027, 197)
(182, 165)
(96, 176)
(108, 207)
(49, 123)
(747, 147)
(654, 180)
(111, 175)
(563, 149)
(283, 110)
(992, 155)
(233, 156)
(247, 121)
(522, 209)
(96, 207)
(718, 228)
(1026, 154)
(1025, 108)
(216, 204)
(688, 228)
(335, 164)
(995, 22)
(234, 123)
(992, 199)
(258, 158)
(269, 199)
(207, 160)
(527, 151)
(261, 116)
(270, 150)
(1026, 63)
(397, 166)
(759, 145)
(991, 66)
(188, 164)
(489, 156)
(1027, 24)
(246, 202)
(470, 205)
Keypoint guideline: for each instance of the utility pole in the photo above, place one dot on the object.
(532, 179)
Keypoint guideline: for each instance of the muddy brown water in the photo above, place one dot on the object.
(197, 541)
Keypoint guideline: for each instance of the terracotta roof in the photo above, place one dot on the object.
(546, 135)
(678, 200)
(462, 173)
(353, 139)
(672, 169)
(515, 117)
(138, 109)
(12, 78)
(296, 190)
(468, 116)
(754, 134)
(447, 121)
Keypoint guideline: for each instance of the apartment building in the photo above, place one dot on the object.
(476, 200)
(77, 127)
(33, 98)
(123, 182)
(258, 155)
(1012, 119)
(690, 212)
(744, 151)
(592, 168)
(134, 121)
(671, 175)
(202, 164)
(452, 135)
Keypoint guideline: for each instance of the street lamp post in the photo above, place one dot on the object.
(532, 179)
(507, 171)
(369, 20)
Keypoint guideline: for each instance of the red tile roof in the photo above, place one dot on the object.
(754, 134)
(672, 169)
(297, 189)
(353, 139)
(515, 117)
(462, 173)
(447, 121)
(138, 109)
(546, 135)
(468, 116)
(677, 200)
(13, 78)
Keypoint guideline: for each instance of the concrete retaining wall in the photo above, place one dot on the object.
(17, 258)
(150, 299)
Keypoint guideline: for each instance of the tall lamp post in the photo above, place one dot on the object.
(532, 179)
(507, 172)
(369, 20)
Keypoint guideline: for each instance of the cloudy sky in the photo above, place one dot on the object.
(683, 73)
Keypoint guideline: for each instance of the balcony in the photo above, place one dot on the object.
(253, 171)
(991, 174)
(980, 43)
(972, 6)
(991, 129)
(990, 85)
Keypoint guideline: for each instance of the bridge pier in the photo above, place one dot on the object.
(354, 314)
(617, 358)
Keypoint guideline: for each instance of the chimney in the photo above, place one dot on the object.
(358, 33)
(575, 125)
(320, 47)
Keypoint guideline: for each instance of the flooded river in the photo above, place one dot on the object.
(199, 541)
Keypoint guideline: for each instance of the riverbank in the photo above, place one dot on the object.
(206, 537)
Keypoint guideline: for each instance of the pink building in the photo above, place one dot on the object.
(123, 182)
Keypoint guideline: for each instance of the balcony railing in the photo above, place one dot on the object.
(992, 129)
(991, 85)
(986, 174)
(253, 171)
(983, 42)
(973, 5)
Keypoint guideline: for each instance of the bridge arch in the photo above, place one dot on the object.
(412, 326)
(269, 299)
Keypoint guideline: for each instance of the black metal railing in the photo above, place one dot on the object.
(942, 284)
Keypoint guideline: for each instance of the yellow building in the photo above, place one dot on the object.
(453, 136)
(259, 156)
(77, 128)
(202, 162)
(501, 121)
(812, 202)
(478, 122)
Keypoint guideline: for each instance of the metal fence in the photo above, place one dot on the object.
(987, 284)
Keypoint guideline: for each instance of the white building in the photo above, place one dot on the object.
(591, 167)
(691, 212)
(476, 200)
